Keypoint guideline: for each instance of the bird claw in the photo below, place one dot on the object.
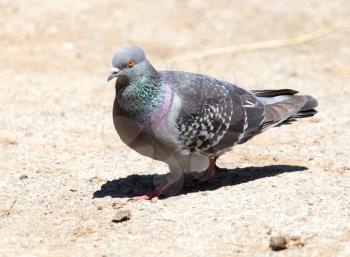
(210, 171)
(149, 197)
(141, 197)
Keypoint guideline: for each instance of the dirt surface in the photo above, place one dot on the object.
(65, 174)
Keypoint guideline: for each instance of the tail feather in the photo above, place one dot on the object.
(284, 106)
(310, 104)
(305, 114)
(274, 92)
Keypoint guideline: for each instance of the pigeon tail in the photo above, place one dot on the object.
(284, 106)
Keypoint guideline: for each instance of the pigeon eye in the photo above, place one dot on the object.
(131, 63)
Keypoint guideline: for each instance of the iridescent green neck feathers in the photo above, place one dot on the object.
(142, 97)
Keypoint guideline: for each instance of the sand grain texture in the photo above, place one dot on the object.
(59, 148)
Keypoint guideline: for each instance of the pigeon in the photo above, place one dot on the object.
(188, 120)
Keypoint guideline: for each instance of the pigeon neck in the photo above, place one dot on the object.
(144, 96)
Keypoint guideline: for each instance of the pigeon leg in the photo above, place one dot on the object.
(156, 193)
(209, 172)
(217, 168)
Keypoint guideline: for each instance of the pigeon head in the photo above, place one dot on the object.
(129, 62)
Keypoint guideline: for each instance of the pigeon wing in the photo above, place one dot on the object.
(214, 115)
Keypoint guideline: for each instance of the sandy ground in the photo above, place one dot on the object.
(59, 148)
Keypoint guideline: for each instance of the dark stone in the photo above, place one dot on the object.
(278, 243)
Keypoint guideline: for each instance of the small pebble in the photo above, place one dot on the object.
(121, 216)
(278, 243)
(117, 205)
(23, 177)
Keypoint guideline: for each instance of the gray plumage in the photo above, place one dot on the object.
(187, 119)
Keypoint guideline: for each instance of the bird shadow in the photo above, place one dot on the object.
(135, 185)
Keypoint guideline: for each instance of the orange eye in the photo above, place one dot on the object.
(131, 63)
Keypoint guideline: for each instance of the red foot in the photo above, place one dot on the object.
(154, 195)
(209, 172)
(145, 197)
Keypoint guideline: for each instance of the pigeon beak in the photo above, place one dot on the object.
(114, 73)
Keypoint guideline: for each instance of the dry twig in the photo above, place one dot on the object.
(258, 45)
(8, 211)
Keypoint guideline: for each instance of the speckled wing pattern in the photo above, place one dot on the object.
(214, 115)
